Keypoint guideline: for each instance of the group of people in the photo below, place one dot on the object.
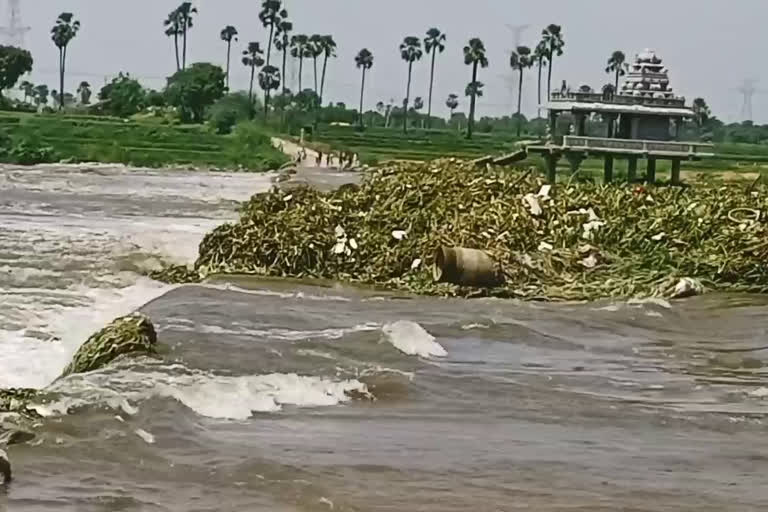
(340, 159)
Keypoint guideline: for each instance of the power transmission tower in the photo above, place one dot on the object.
(748, 91)
(13, 33)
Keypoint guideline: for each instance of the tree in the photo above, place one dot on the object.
(410, 52)
(364, 61)
(474, 55)
(84, 92)
(62, 33)
(617, 64)
(418, 103)
(520, 60)
(269, 80)
(272, 13)
(28, 88)
(452, 102)
(315, 49)
(329, 50)
(123, 96)
(253, 58)
(552, 36)
(540, 56)
(184, 14)
(300, 50)
(14, 63)
(283, 44)
(228, 34)
(193, 89)
(701, 112)
(433, 43)
(40, 94)
(173, 29)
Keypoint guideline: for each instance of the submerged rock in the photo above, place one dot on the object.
(15, 400)
(129, 335)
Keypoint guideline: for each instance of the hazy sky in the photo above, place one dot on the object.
(709, 46)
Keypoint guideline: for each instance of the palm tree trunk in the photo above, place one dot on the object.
(407, 98)
(229, 53)
(266, 103)
(616, 90)
(301, 71)
(250, 90)
(285, 59)
(176, 46)
(362, 90)
(471, 123)
(519, 101)
(431, 83)
(184, 55)
(322, 79)
(315, 65)
(541, 63)
(549, 77)
(62, 62)
(269, 44)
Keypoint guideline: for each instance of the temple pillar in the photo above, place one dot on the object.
(676, 171)
(650, 171)
(552, 124)
(551, 160)
(635, 128)
(631, 169)
(678, 127)
(581, 125)
(608, 169)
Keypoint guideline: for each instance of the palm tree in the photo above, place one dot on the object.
(521, 59)
(364, 61)
(552, 36)
(184, 14)
(300, 50)
(84, 91)
(617, 64)
(28, 88)
(329, 50)
(283, 43)
(701, 112)
(62, 33)
(253, 58)
(410, 52)
(315, 49)
(228, 34)
(433, 43)
(272, 13)
(269, 80)
(452, 103)
(540, 56)
(174, 30)
(474, 55)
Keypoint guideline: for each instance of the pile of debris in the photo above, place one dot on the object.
(571, 242)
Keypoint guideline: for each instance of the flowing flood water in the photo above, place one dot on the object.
(264, 401)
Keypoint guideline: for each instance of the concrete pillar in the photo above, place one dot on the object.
(552, 167)
(574, 160)
(552, 124)
(678, 127)
(635, 128)
(650, 172)
(608, 170)
(675, 171)
(632, 169)
(581, 125)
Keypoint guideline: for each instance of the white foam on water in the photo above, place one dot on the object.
(225, 397)
(30, 362)
(412, 339)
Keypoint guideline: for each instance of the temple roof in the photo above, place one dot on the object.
(647, 77)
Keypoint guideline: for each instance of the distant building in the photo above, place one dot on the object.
(643, 122)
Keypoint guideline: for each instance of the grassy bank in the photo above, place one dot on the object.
(382, 144)
(113, 140)
(584, 241)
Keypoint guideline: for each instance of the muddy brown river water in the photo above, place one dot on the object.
(289, 397)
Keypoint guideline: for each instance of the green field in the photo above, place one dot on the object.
(380, 144)
(113, 140)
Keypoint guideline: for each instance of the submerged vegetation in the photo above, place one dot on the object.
(577, 241)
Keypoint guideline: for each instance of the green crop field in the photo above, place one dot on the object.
(113, 140)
